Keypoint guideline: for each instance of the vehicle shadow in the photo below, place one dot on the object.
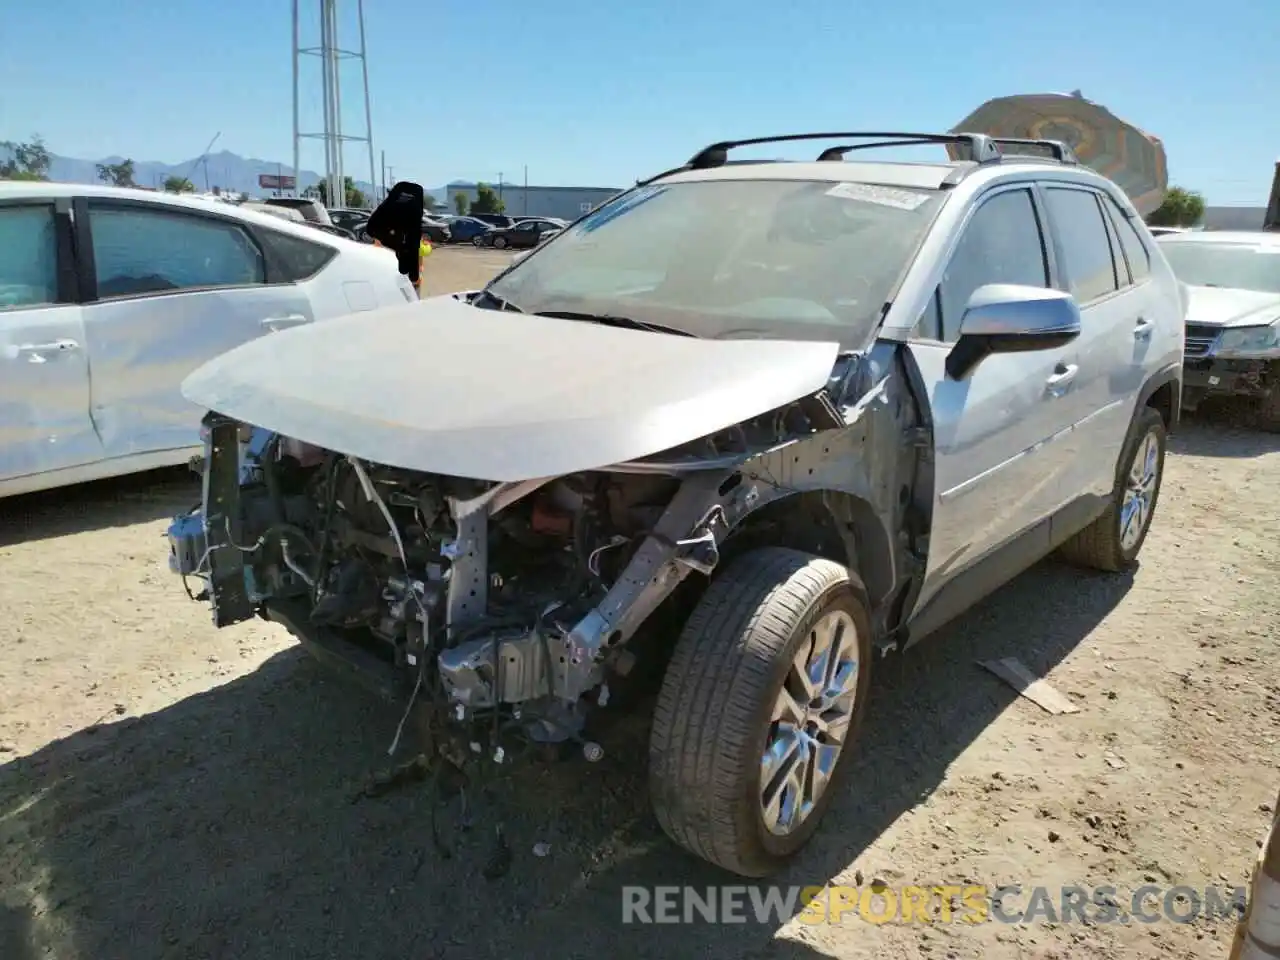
(1221, 431)
(231, 823)
(115, 502)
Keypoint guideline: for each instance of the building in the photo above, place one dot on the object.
(564, 203)
(1233, 218)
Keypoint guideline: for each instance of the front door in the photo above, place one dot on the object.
(999, 451)
(174, 289)
(44, 367)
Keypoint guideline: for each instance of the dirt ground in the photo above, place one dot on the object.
(169, 790)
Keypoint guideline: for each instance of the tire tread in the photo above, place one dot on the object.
(706, 713)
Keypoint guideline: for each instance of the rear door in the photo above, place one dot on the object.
(168, 288)
(1115, 334)
(44, 366)
(998, 453)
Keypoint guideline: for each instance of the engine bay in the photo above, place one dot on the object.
(504, 602)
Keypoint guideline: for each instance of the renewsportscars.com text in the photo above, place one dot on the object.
(944, 903)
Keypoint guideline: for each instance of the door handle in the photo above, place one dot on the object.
(288, 320)
(1142, 329)
(1062, 376)
(35, 352)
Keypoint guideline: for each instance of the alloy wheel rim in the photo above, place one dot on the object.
(1140, 491)
(809, 723)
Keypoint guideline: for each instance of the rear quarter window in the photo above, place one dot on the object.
(292, 259)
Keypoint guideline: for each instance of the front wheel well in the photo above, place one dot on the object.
(830, 524)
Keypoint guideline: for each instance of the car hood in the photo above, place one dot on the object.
(1228, 307)
(440, 386)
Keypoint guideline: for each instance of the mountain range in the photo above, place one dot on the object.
(226, 170)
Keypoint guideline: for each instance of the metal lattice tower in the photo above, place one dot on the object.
(331, 56)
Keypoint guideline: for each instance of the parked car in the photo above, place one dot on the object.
(1233, 317)
(813, 411)
(493, 219)
(139, 288)
(466, 229)
(311, 209)
(527, 233)
(436, 232)
(349, 218)
(312, 212)
(282, 213)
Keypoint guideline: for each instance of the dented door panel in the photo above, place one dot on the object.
(44, 369)
(44, 392)
(170, 290)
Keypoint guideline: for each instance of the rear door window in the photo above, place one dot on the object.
(1135, 251)
(140, 251)
(1086, 249)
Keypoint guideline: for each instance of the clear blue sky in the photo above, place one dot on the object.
(594, 93)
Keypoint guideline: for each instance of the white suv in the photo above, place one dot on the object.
(109, 297)
(808, 411)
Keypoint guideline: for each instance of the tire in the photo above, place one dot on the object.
(476, 241)
(1102, 545)
(714, 714)
(500, 243)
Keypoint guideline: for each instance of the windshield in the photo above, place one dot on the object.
(1243, 266)
(780, 259)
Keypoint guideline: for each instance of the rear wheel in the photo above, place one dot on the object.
(764, 694)
(500, 242)
(1112, 542)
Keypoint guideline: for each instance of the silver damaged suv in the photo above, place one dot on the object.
(785, 415)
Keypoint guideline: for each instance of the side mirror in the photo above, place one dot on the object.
(1010, 318)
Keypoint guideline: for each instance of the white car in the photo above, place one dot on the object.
(109, 297)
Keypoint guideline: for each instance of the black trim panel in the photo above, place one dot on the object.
(1002, 565)
(1171, 374)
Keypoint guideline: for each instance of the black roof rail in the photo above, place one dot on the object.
(979, 147)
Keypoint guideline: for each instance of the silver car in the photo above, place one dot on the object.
(803, 413)
(1233, 319)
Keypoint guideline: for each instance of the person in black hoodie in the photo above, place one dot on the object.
(397, 225)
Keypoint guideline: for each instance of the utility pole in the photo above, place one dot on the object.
(384, 174)
(499, 187)
(525, 203)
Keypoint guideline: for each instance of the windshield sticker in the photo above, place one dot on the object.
(883, 196)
